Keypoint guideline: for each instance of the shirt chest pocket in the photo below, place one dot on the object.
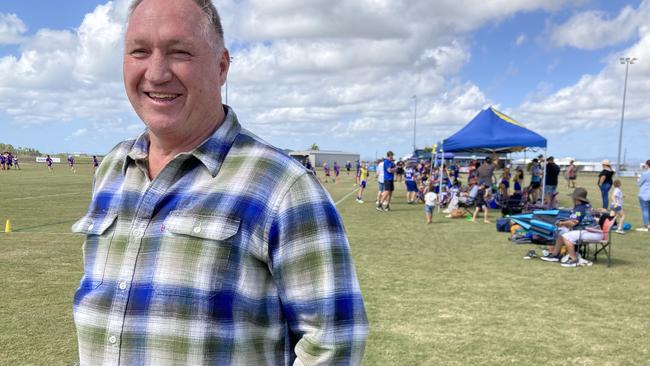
(194, 254)
(99, 228)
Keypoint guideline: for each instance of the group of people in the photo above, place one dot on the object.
(422, 183)
(49, 162)
(8, 161)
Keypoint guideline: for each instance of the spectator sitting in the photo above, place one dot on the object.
(564, 227)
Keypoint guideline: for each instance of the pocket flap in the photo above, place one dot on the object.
(212, 227)
(94, 223)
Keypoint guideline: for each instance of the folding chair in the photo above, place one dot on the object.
(603, 245)
(467, 204)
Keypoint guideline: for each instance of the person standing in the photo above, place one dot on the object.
(605, 182)
(95, 163)
(536, 173)
(550, 182)
(363, 177)
(411, 185)
(48, 161)
(571, 175)
(644, 197)
(389, 183)
(379, 170)
(617, 206)
(326, 171)
(337, 171)
(485, 172)
(205, 245)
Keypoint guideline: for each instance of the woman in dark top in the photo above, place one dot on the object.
(605, 181)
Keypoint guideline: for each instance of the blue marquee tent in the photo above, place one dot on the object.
(492, 131)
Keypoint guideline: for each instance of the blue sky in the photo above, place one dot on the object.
(341, 73)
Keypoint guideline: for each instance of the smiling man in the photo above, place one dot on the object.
(205, 245)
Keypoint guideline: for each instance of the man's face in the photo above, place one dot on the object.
(172, 72)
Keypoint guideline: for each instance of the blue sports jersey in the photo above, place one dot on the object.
(388, 164)
(409, 174)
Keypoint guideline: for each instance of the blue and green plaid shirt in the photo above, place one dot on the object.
(233, 254)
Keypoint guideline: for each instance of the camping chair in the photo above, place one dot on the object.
(603, 245)
(467, 203)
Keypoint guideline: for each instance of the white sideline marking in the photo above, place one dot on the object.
(346, 196)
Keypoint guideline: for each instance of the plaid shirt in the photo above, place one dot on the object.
(233, 254)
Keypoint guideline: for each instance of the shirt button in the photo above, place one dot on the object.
(112, 339)
(91, 226)
(197, 230)
(138, 232)
(122, 285)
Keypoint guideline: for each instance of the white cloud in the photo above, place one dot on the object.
(11, 28)
(302, 70)
(595, 100)
(61, 75)
(521, 39)
(593, 29)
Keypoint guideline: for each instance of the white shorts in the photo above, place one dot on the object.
(575, 235)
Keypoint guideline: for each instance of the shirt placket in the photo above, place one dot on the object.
(142, 215)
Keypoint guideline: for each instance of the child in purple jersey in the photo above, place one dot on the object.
(48, 160)
(2, 161)
(95, 163)
(326, 169)
(71, 164)
(10, 160)
(337, 171)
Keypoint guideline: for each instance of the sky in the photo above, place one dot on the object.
(343, 74)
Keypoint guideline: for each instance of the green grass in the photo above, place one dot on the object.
(450, 293)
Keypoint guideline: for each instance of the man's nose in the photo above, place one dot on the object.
(158, 70)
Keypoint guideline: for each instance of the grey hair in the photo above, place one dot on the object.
(211, 15)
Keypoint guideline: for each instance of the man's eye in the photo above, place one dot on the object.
(181, 53)
(138, 53)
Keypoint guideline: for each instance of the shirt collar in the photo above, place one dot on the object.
(211, 152)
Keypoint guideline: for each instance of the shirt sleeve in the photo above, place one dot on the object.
(317, 283)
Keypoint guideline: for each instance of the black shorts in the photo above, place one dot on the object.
(399, 171)
(389, 185)
(536, 185)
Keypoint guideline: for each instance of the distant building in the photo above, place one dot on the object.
(318, 157)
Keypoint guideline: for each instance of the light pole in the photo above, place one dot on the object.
(627, 61)
(415, 118)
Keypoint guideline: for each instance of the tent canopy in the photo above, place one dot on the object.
(492, 131)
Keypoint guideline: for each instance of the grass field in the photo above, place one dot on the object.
(450, 293)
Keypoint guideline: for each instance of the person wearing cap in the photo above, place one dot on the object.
(605, 181)
(566, 229)
(550, 186)
(644, 197)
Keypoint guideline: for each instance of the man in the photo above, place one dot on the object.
(389, 183)
(486, 170)
(551, 181)
(567, 229)
(204, 245)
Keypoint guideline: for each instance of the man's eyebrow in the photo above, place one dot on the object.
(169, 43)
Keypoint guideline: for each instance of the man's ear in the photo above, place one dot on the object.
(224, 66)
